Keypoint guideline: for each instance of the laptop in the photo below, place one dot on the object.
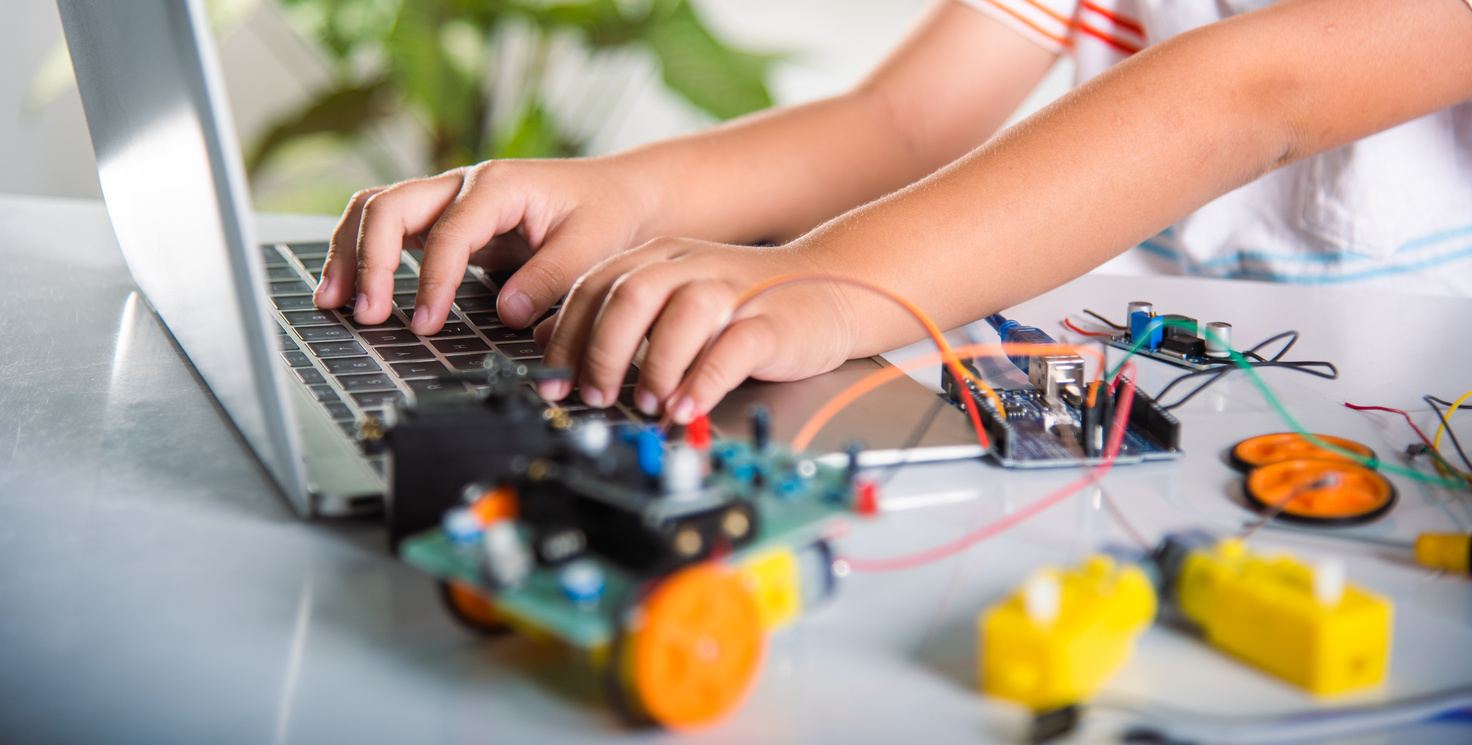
(297, 380)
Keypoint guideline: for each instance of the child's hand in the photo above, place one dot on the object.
(558, 217)
(675, 292)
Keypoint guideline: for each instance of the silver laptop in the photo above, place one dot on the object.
(296, 379)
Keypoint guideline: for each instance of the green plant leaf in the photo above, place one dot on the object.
(535, 136)
(716, 78)
(341, 111)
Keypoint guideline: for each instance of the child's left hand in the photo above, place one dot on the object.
(675, 292)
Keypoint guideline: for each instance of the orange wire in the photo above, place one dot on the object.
(947, 355)
(824, 414)
(1069, 324)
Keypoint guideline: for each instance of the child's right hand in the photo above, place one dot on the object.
(554, 219)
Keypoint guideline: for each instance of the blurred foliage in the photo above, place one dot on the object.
(432, 59)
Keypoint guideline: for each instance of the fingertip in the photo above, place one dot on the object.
(421, 322)
(646, 402)
(683, 410)
(554, 390)
(516, 309)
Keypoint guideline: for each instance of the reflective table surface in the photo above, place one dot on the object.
(155, 587)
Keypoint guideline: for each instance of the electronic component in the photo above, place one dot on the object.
(1058, 374)
(1060, 636)
(1174, 338)
(1305, 624)
(713, 542)
(1038, 433)
(1449, 551)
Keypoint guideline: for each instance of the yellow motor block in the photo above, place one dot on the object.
(774, 581)
(1304, 624)
(1063, 633)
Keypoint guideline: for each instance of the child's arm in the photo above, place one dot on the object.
(770, 176)
(1095, 173)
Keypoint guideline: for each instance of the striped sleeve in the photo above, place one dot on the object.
(1049, 23)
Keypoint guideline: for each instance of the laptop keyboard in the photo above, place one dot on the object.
(355, 370)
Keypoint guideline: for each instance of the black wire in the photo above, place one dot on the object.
(1103, 320)
(1305, 366)
(1447, 425)
(1447, 404)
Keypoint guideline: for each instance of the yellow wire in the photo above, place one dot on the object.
(1436, 443)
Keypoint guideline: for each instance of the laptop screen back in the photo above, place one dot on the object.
(174, 184)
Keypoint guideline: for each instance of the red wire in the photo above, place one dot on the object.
(1111, 451)
(1078, 330)
(1419, 433)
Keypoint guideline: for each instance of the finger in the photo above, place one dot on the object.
(570, 248)
(633, 303)
(743, 347)
(490, 202)
(340, 272)
(575, 321)
(389, 217)
(678, 336)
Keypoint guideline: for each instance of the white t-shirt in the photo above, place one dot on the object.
(1391, 211)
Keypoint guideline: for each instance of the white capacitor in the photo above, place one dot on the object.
(683, 475)
(506, 560)
(1137, 306)
(593, 437)
(1218, 339)
(1042, 598)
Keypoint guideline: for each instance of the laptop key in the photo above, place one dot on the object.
(404, 270)
(372, 382)
(472, 289)
(296, 358)
(324, 393)
(404, 354)
(422, 387)
(458, 346)
(314, 249)
(341, 365)
(339, 411)
(400, 336)
(310, 376)
(349, 428)
(294, 302)
(453, 329)
(503, 334)
(281, 272)
(392, 322)
(425, 369)
(406, 284)
(520, 349)
(337, 349)
(292, 287)
(476, 304)
(467, 361)
(324, 333)
(285, 343)
(317, 317)
(405, 300)
(377, 398)
(485, 320)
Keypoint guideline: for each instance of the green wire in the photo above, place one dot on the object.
(1293, 424)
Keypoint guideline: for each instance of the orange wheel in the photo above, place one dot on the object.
(1327, 493)
(472, 609)
(1276, 448)
(696, 653)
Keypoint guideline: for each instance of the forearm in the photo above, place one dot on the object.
(1140, 147)
(774, 175)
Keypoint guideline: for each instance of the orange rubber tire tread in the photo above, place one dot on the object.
(1263, 450)
(1358, 494)
(698, 650)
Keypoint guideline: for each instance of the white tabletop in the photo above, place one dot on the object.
(155, 588)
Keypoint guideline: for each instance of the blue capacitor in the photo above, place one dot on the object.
(462, 528)
(582, 582)
(650, 444)
(1141, 328)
